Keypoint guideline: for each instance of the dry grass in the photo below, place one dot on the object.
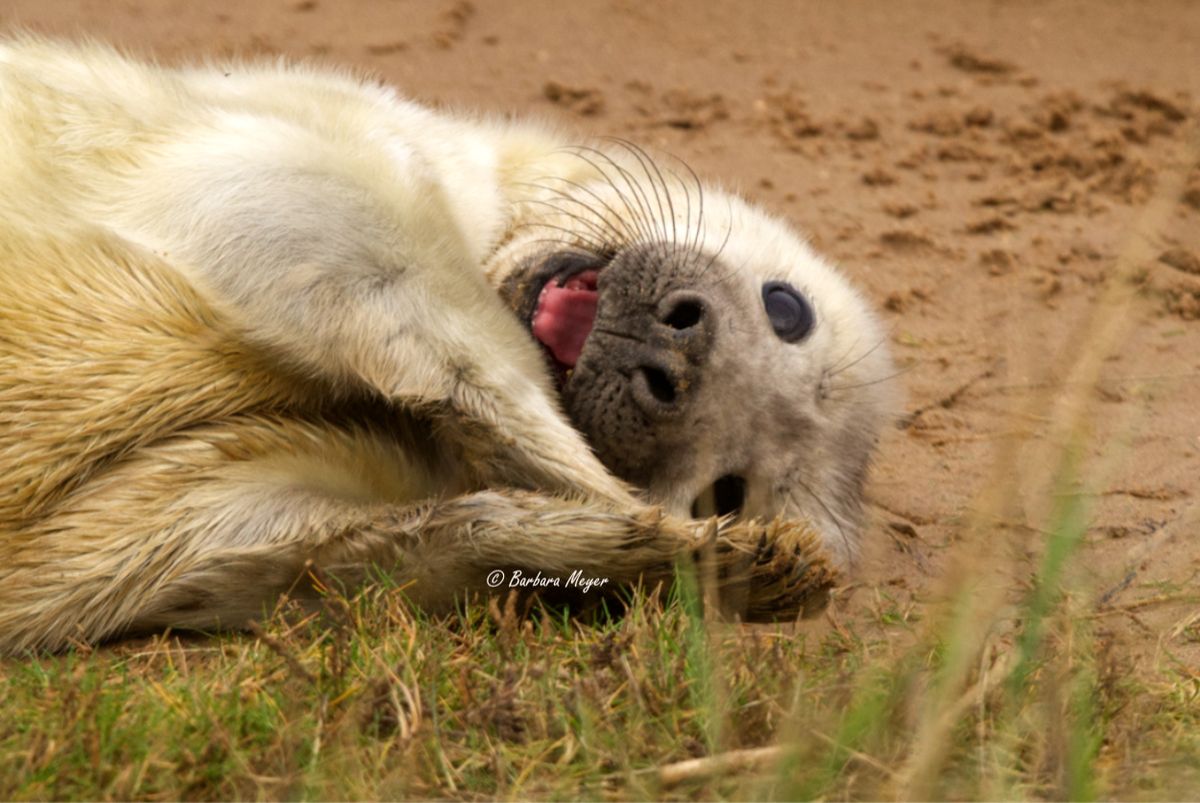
(374, 701)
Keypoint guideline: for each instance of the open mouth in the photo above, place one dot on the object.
(726, 496)
(565, 312)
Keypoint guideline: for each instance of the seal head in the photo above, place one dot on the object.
(716, 362)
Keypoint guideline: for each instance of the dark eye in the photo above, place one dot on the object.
(791, 315)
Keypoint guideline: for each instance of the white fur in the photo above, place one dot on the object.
(355, 239)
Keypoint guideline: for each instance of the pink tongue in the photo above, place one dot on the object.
(565, 316)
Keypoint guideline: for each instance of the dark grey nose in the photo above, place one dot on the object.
(666, 367)
(634, 391)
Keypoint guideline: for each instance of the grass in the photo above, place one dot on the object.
(373, 700)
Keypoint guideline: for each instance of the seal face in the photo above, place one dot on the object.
(632, 389)
(706, 353)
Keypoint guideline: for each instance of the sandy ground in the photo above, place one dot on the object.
(987, 172)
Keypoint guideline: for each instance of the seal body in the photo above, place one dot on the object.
(264, 322)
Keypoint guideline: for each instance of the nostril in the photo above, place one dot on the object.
(660, 385)
(684, 315)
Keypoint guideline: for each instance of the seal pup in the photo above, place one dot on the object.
(264, 321)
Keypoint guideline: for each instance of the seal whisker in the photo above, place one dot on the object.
(574, 237)
(598, 230)
(694, 246)
(656, 180)
(636, 190)
(838, 368)
(691, 244)
(687, 222)
(636, 217)
(654, 222)
(561, 194)
(633, 215)
(599, 251)
(724, 242)
(670, 202)
(712, 260)
(881, 380)
(623, 234)
(833, 369)
(821, 503)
